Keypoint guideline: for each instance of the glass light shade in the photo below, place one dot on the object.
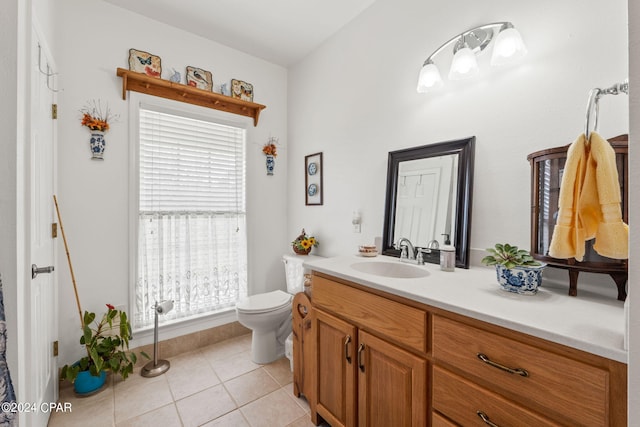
(429, 78)
(464, 64)
(508, 46)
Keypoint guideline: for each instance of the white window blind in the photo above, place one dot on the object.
(191, 234)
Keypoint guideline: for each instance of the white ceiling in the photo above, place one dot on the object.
(279, 31)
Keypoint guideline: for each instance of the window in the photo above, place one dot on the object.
(192, 242)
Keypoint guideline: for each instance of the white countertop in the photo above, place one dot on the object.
(588, 322)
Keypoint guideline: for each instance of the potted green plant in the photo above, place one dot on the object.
(107, 344)
(517, 271)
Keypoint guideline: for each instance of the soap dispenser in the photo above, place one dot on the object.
(447, 258)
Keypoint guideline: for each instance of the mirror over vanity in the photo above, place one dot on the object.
(428, 200)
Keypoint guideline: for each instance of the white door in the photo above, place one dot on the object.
(417, 205)
(41, 366)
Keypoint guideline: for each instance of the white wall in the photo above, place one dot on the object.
(44, 17)
(634, 215)
(94, 39)
(355, 100)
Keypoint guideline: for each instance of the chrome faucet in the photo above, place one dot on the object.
(411, 249)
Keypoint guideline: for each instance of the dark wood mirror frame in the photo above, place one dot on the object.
(464, 148)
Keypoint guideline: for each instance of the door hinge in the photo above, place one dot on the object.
(55, 348)
(54, 111)
(54, 230)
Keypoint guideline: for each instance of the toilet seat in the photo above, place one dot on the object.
(264, 303)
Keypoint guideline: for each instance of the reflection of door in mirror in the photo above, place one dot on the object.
(426, 197)
(429, 192)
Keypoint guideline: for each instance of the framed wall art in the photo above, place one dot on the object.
(199, 78)
(313, 179)
(145, 63)
(241, 90)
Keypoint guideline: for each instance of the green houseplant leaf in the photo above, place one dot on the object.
(509, 256)
(107, 345)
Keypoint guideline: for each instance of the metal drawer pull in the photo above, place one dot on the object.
(486, 419)
(488, 361)
(346, 349)
(360, 363)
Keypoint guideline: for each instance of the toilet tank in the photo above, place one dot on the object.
(294, 272)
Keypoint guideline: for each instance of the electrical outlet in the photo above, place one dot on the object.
(357, 228)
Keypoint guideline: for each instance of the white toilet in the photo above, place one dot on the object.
(268, 315)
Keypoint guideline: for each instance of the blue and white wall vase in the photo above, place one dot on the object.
(98, 144)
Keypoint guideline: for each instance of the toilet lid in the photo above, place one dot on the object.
(262, 303)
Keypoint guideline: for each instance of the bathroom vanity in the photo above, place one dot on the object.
(448, 349)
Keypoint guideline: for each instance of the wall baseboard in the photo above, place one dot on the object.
(193, 341)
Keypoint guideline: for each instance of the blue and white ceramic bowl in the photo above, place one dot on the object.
(521, 280)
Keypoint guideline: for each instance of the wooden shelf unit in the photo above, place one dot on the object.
(142, 83)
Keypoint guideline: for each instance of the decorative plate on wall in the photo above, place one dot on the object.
(145, 63)
(241, 90)
(313, 179)
(199, 78)
(312, 169)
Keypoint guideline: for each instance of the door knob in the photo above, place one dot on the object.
(35, 270)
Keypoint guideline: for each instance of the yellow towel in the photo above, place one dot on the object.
(568, 234)
(599, 203)
(589, 203)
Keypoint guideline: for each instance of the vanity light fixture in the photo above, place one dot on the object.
(508, 46)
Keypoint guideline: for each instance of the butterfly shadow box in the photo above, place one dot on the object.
(145, 63)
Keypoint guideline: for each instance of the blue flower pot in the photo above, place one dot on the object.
(521, 280)
(86, 383)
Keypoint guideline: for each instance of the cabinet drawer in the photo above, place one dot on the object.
(568, 389)
(438, 420)
(461, 400)
(397, 322)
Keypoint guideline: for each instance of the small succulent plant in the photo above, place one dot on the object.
(509, 256)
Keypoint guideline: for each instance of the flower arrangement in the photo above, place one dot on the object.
(303, 243)
(107, 345)
(269, 149)
(95, 117)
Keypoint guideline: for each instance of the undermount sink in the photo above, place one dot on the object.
(391, 269)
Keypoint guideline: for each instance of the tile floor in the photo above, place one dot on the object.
(217, 385)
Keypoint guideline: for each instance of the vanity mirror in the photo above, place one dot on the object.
(428, 199)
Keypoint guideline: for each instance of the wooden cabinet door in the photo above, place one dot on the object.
(336, 370)
(392, 385)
